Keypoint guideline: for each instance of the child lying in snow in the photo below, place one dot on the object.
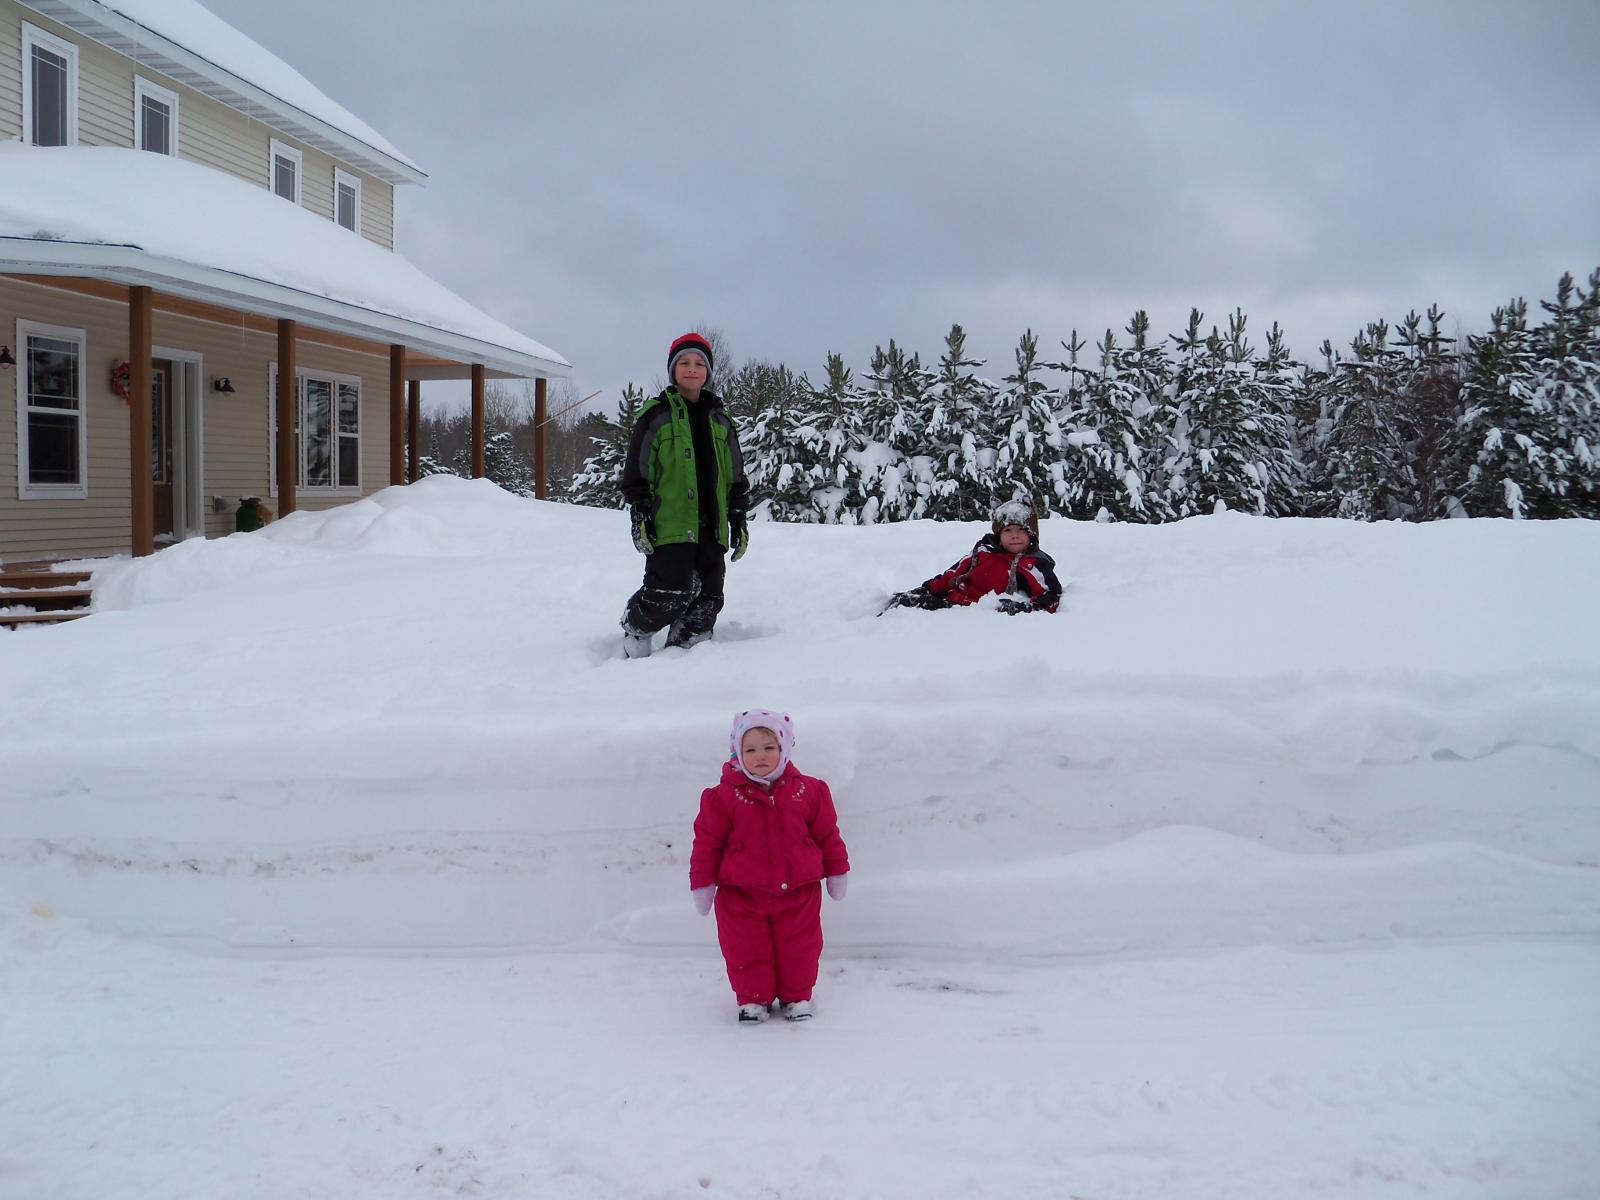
(1006, 561)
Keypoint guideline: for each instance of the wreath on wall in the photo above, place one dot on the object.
(122, 378)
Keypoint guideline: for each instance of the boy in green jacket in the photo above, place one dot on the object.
(684, 481)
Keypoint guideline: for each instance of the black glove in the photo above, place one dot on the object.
(918, 597)
(644, 535)
(738, 533)
(1012, 607)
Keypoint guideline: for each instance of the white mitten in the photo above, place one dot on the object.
(702, 898)
(837, 885)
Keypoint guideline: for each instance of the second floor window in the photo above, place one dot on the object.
(155, 117)
(288, 164)
(347, 200)
(49, 88)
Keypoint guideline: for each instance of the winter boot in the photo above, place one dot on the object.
(753, 1014)
(635, 643)
(798, 1010)
(696, 623)
(682, 638)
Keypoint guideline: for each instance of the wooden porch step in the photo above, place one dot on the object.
(24, 578)
(16, 620)
(52, 598)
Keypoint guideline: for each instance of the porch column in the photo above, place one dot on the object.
(541, 488)
(288, 458)
(478, 469)
(140, 481)
(397, 413)
(414, 430)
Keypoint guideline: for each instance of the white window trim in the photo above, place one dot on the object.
(32, 36)
(345, 178)
(334, 378)
(52, 491)
(143, 87)
(356, 488)
(277, 150)
(192, 463)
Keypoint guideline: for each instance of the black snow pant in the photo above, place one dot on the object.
(682, 588)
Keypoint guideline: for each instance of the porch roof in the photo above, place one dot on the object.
(138, 218)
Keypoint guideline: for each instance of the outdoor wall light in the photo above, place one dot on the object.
(5, 357)
(221, 383)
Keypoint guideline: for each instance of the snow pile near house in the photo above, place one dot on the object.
(1268, 866)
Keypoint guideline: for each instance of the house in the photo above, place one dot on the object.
(199, 295)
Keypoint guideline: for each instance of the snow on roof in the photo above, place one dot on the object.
(68, 206)
(202, 32)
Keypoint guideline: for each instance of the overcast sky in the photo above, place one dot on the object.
(825, 176)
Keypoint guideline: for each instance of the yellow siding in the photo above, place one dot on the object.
(105, 95)
(377, 211)
(209, 132)
(234, 451)
(218, 136)
(10, 71)
(316, 189)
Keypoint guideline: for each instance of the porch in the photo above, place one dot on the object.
(163, 373)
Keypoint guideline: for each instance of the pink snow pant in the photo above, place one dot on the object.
(772, 941)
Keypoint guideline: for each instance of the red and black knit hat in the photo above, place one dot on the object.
(689, 343)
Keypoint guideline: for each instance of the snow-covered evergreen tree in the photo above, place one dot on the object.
(1363, 473)
(1516, 465)
(1576, 368)
(432, 463)
(505, 466)
(781, 442)
(1531, 428)
(896, 472)
(1103, 456)
(838, 413)
(1066, 403)
(1430, 400)
(1315, 401)
(1269, 397)
(1025, 435)
(1231, 442)
(954, 429)
(595, 483)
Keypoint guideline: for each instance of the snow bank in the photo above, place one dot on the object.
(348, 857)
(335, 694)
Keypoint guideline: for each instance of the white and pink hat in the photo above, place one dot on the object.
(763, 718)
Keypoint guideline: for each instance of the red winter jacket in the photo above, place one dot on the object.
(989, 568)
(746, 836)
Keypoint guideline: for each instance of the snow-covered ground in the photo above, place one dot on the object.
(349, 859)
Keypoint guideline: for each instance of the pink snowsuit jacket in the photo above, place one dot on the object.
(771, 841)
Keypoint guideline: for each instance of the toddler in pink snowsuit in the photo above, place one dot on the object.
(766, 839)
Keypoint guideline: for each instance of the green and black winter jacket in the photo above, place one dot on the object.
(686, 491)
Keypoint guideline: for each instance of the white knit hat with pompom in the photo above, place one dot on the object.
(763, 718)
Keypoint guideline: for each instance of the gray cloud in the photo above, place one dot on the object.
(827, 176)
